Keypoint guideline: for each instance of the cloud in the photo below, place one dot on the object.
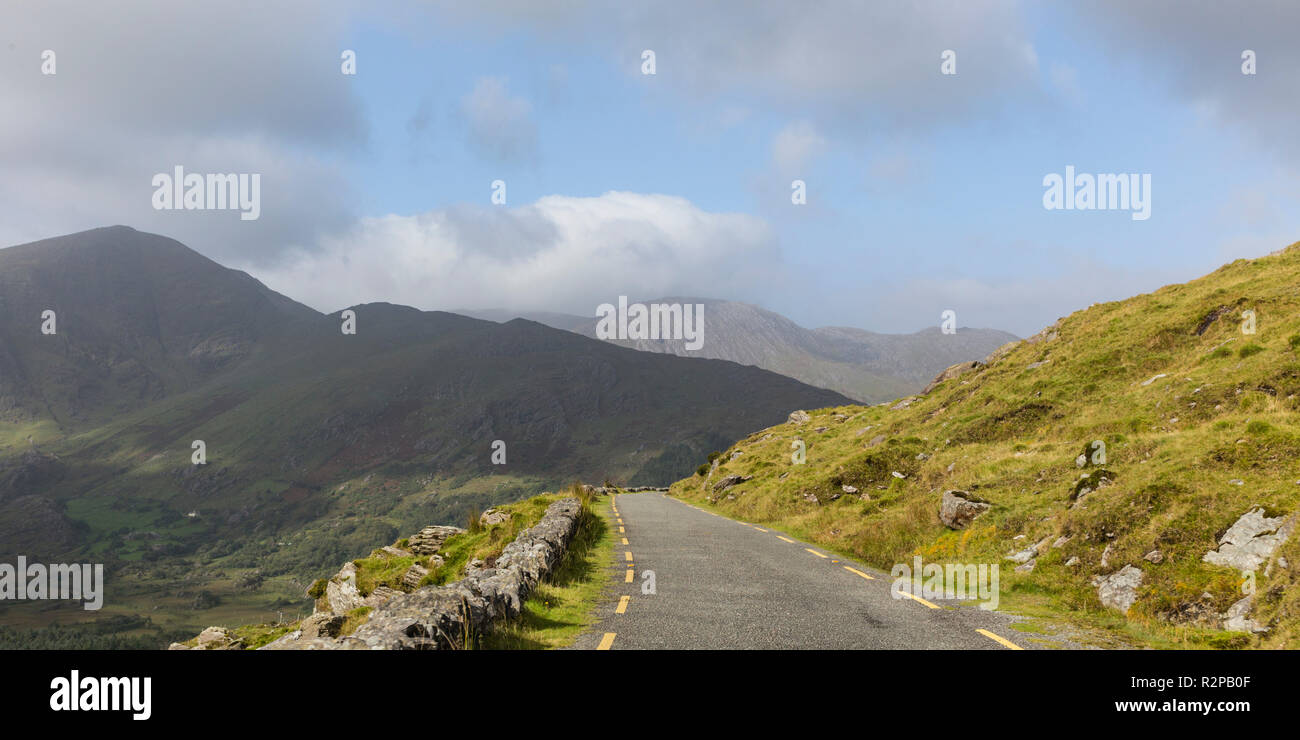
(145, 86)
(560, 254)
(837, 64)
(795, 146)
(1195, 49)
(500, 126)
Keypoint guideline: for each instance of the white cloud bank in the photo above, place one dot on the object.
(560, 253)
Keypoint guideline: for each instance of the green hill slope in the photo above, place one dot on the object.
(318, 444)
(1199, 427)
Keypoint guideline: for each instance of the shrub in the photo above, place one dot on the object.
(1249, 349)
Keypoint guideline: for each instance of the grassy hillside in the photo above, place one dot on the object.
(1199, 425)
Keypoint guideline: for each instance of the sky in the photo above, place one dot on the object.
(924, 190)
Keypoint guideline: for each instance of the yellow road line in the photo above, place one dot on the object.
(628, 579)
(606, 642)
(622, 604)
(760, 529)
(918, 598)
(628, 556)
(625, 540)
(814, 552)
(621, 530)
(1002, 640)
(787, 539)
(855, 571)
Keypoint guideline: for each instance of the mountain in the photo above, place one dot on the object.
(317, 443)
(1131, 468)
(565, 321)
(862, 365)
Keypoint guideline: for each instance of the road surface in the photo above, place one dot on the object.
(724, 584)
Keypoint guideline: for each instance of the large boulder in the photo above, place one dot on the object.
(957, 509)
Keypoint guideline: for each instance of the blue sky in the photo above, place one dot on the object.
(924, 191)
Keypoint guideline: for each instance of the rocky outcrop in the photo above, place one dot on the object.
(451, 616)
(957, 509)
(798, 417)
(492, 517)
(1251, 541)
(954, 371)
(212, 638)
(429, 540)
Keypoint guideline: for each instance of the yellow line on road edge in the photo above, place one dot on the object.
(1002, 640)
(759, 529)
(855, 571)
(628, 555)
(628, 578)
(606, 642)
(918, 598)
(622, 604)
(787, 539)
(814, 552)
(621, 530)
(625, 540)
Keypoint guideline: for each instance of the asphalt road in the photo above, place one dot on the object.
(725, 584)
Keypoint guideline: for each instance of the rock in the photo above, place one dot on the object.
(413, 575)
(395, 552)
(1155, 556)
(1119, 589)
(321, 624)
(1027, 567)
(1024, 556)
(1238, 618)
(876, 440)
(848, 489)
(1072, 561)
(219, 638)
(341, 594)
(898, 475)
(819, 430)
(811, 498)
(1105, 554)
(798, 417)
(493, 517)
(429, 540)
(1081, 460)
(953, 371)
(1154, 378)
(1251, 541)
(729, 481)
(902, 404)
(381, 595)
(1060, 542)
(473, 565)
(957, 509)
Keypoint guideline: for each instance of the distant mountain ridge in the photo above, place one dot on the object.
(316, 442)
(863, 365)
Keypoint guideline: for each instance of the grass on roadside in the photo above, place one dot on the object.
(560, 609)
